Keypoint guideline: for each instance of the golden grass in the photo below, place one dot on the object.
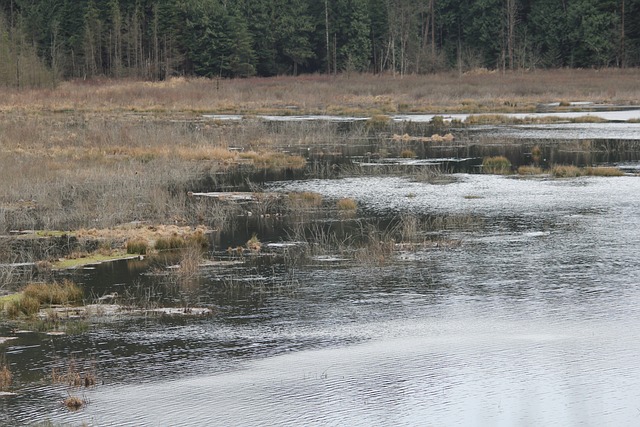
(566, 171)
(6, 378)
(529, 170)
(73, 403)
(306, 199)
(603, 171)
(55, 293)
(346, 204)
(254, 244)
(408, 154)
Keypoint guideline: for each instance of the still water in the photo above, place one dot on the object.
(533, 319)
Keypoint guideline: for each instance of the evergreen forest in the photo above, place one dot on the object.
(43, 41)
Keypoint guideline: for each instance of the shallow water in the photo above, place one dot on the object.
(532, 319)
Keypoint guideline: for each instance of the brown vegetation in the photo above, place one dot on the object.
(344, 94)
(6, 377)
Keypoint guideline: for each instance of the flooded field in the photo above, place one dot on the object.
(440, 298)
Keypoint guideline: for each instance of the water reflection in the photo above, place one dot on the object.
(531, 318)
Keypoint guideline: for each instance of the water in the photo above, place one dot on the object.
(532, 319)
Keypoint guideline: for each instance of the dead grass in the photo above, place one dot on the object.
(566, 171)
(346, 204)
(529, 170)
(6, 378)
(603, 171)
(55, 293)
(346, 94)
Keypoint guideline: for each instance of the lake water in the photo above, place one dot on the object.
(516, 303)
(532, 319)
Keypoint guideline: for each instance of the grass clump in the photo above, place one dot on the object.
(137, 246)
(6, 377)
(305, 198)
(408, 154)
(496, 165)
(529, 170)
(54, 293)
(254, 244)
(35, 295)
(346, 204)
(169, 243)
(73, 403)
(603, 171)
(566, 171)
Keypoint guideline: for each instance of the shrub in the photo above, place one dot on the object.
(496, 165)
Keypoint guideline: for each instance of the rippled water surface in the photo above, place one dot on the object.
(532, 319)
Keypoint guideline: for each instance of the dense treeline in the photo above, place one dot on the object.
(41, 40)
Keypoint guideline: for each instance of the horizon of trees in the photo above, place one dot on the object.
(42, 41)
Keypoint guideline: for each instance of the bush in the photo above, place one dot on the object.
(496, 165)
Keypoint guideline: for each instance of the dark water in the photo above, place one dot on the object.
(532, 319)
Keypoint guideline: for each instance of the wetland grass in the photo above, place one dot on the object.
(6, 377)
(346, 205)
(29, 301)
(499, 165)
(530, 170)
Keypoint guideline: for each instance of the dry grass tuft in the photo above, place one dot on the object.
(529, 170)
(603, 171)
(54, 293)
(6, 377)
(346, 204)
(254, 244)
(566, 171)
(74, 403)
(408, 154)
